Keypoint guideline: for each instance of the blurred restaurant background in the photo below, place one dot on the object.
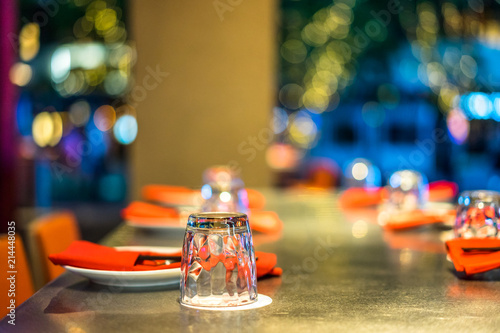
(99, 98)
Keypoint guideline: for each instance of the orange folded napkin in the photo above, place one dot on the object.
(265, 222)
(85, 254)
(145, 213)
(172, 195)
(256, 200)
(473, 262)
(180, 195)
(440, 190)
(138, 209)
(362, 197)
(415, 218)
(266, 264)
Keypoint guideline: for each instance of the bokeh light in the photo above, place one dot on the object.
(104, 117)
(280, 120)
(225, 196)
(125, 129)
(359, 171)
(293, 51)
(302, 131)
(359, 229)
(280, 156)
(206, 191)
(290, 96)
(20, 74)
(79, 113)
(458, 126)
(60, 64)
(29, 41)
(47, 129)
(362, 173)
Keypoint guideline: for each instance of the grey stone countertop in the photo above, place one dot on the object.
(342, 272)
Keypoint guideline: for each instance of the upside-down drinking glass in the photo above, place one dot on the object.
(407, 190)
(223, 191)
(478, 214)
(218, 261)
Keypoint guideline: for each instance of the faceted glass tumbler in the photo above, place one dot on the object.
(218, 261)
(407, 190)
(478, 214)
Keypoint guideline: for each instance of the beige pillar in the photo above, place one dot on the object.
(215, 104)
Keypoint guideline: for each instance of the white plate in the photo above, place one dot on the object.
(161, 277)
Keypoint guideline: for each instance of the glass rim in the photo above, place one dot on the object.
(215, 220)
(483, 195)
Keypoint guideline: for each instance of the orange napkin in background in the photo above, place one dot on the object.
(440, 190)
(180, 195)
(416, 218)
(85, 254)
(172, 195)
(138, 209)
(266, 264)
(361, 197)
(256, 200)
(262, 221)
(473, 262)
(265, 222)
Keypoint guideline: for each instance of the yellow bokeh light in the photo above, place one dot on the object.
(29, 41)
(359, 229)
(293, 51)
(314, 34)
(57, 129)
(105, 19)
(43, 127)
(315, 100)
(47, 129)
(447, 96)
(303, 130)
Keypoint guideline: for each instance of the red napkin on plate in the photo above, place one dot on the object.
(85, 254)
(473, 262)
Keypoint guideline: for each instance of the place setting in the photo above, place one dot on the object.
(217, 267)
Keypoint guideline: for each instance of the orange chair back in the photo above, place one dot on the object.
(53, 233)
(23, 286)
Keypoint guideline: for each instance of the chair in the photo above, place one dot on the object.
(23, 281)
(49, 234)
